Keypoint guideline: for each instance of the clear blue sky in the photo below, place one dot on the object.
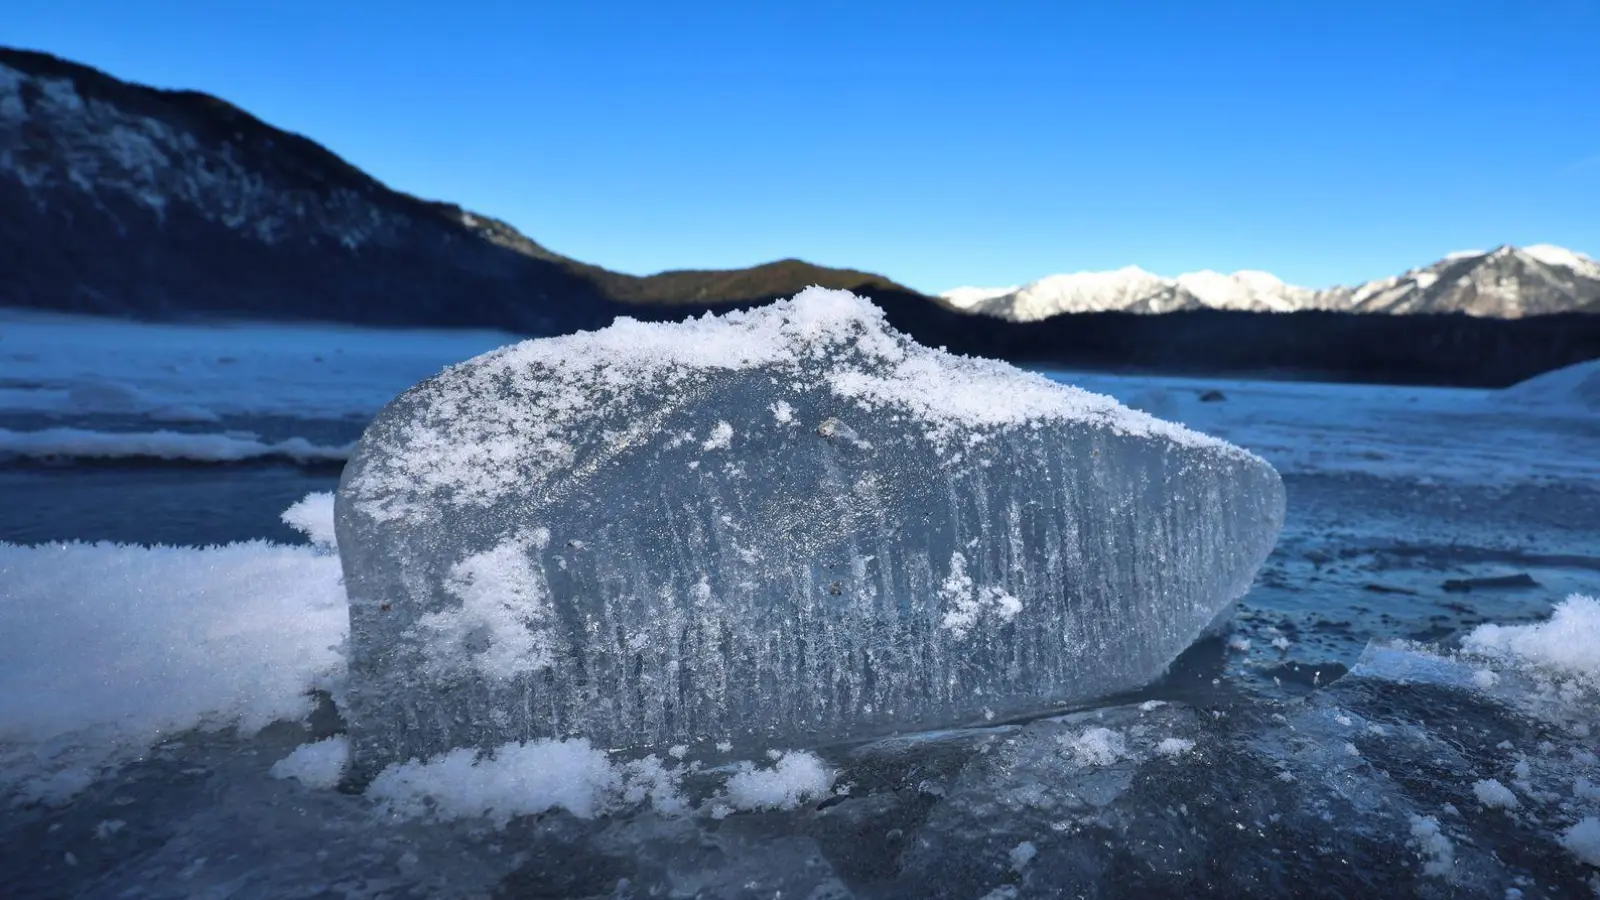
(940, 144)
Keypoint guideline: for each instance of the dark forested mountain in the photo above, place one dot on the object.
(124, 199)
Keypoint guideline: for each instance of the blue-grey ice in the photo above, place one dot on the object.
(777, 527)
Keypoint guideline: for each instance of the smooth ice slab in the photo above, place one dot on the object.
(775, 527)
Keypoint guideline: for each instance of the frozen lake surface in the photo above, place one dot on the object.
(1301, 753)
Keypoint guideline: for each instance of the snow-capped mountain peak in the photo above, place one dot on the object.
(1551, 255)
(968, 297)
(1128, 288)
(1246, 289)
(1507, 282)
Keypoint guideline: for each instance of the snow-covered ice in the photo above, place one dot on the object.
(1147, 798)
(1239, 779)
(1574, 387)
(611, 534)
(319, 764)
(115, 389)
(110, 648)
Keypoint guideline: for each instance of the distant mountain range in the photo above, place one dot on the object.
(1506, 283)
(126, 200)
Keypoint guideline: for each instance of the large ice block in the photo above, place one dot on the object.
(776, 527)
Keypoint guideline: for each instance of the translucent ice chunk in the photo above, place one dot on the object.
(776, 527)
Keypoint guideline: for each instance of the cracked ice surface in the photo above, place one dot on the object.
(784, 525)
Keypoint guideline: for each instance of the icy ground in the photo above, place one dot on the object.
(1305, 753)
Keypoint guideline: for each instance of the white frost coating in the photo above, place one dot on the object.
(481, 445)
(319, 765)
(721, 437)
(312, 516)
(1437, 852)
(783, 412)
(1098, 747)
(1491, 793)
(505, 603)
(1583, 840)
(794, 779)
(967, 604)
(1568, 644)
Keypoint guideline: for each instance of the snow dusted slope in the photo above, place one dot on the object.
(1574, 388)
(1505, 283)
(1245, 290)
(968, 297)
(1130, 288)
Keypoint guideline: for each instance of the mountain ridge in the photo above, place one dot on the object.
(1507, 282)
(180, 170)
(155, 204)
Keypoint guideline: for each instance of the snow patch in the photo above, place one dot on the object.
(721, 437)
(319, 764)
(1174, 746)
(1583, 840)
(1438, 854)
(1575, 387)
(794, 779)
(518, 779)
(213, 638)
(1491, 793)
(1551, 255)
(1568, 644)
(1098, 747)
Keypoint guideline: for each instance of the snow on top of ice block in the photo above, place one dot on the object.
(472, 443)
